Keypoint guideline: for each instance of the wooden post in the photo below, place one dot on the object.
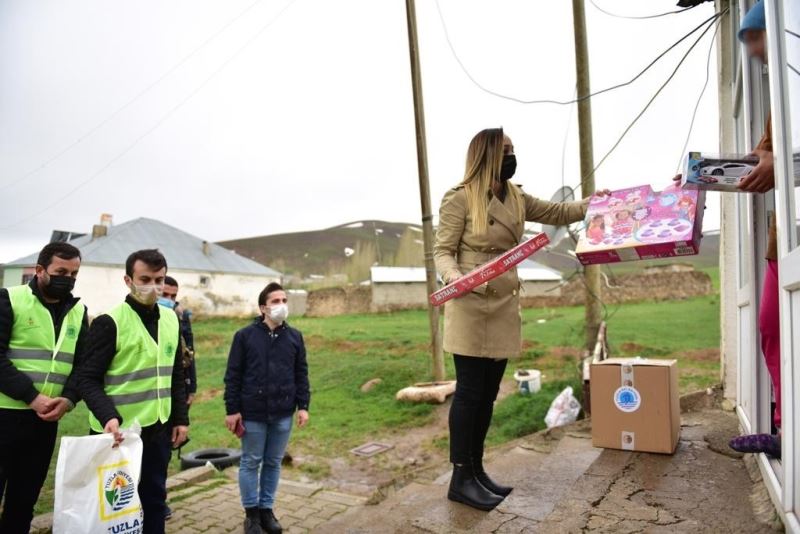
(424, 190)
(593, 315)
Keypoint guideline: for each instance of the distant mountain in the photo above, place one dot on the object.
(323, 252)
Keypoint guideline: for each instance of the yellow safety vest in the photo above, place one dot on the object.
(33, 348)
(139, 379)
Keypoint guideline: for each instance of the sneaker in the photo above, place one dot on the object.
(269, 522)
(755, 443)
(168, 514)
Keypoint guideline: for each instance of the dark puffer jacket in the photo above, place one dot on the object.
(267, 374)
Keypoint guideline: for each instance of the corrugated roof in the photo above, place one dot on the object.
(528, 270)
(531, 271)
(182, 250)
(380, 274)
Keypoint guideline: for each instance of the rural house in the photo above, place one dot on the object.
(749, 93)
(213, 280)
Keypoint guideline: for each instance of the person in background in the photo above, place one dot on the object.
(169, 298)
(43, 331)
(266, 385)
(133, 372)
(478, 220)
(761, 180)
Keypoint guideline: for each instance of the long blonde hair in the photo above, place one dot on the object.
(484, 160)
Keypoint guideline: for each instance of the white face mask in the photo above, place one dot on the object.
(278, 313)
(146, 294)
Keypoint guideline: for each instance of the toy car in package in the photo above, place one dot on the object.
(641, 224)
(716, 173)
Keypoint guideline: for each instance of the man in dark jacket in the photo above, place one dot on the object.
(265, 383)
(42, 335)
(133, 372)
(169, 298)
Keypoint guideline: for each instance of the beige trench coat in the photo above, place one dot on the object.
(486, 322)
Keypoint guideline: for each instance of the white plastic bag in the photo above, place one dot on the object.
(96, 485)
(563, 410)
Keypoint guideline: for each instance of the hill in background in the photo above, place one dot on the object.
(344, 253)
(349, 249)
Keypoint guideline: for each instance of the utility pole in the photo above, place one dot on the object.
(591, 272)
(424, 190)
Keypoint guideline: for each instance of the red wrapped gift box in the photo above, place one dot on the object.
(489, 270)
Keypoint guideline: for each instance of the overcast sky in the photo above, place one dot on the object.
(243, 128)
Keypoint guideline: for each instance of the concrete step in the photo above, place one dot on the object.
(540, 480)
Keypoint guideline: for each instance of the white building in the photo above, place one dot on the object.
(213, 280)
(395, 288)
(748, 94)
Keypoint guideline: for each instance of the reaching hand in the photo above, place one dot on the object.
(112, 427)
(762, 178)
(302, 418)
(56, 409)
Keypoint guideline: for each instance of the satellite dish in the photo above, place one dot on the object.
(556, 234)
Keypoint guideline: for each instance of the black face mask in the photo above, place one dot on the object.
(508, 168)
(59, 287)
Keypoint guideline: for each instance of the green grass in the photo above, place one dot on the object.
(520, 415)
(346, 351)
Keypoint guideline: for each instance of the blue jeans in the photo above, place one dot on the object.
(263, 447)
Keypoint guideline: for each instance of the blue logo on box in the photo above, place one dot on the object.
(627, 399)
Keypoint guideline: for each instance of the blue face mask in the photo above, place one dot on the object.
(167, 302)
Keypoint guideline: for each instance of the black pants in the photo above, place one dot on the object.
(157, 441)
(478, 381)
(156, 453)
(26, 447)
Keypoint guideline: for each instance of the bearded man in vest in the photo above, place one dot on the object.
(133, 372)
(42, 334)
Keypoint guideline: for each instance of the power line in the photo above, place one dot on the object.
(790, 32)
(130, 102)
(642, 17)
(552, 101)
(652, 99)
(793, 68)
(566, 138)
(700, 97)
(160, 121)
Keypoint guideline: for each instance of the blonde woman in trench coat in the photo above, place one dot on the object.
(479, 219)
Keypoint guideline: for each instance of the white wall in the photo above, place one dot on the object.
(12, 276)
(101, 288)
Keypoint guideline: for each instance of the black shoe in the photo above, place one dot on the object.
(466, 489)
(168, 514)
(252, 523)
(269, 522)
(488, 483)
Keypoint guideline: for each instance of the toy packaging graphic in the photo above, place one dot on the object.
(489, 271)
(641, 224)
(716, 173)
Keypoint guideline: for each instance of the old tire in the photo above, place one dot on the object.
(219, 458)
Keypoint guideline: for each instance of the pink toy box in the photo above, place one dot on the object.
(642, 224)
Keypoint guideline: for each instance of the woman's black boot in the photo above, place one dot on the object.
(488, 483)
(466, 489)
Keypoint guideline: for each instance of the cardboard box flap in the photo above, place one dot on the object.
(652, 362)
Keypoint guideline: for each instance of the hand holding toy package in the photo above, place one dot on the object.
(640, 224)
(716, 173)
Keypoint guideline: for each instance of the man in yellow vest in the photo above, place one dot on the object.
(42, 334)
(133, 372)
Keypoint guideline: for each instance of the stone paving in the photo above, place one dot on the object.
(214, 506)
